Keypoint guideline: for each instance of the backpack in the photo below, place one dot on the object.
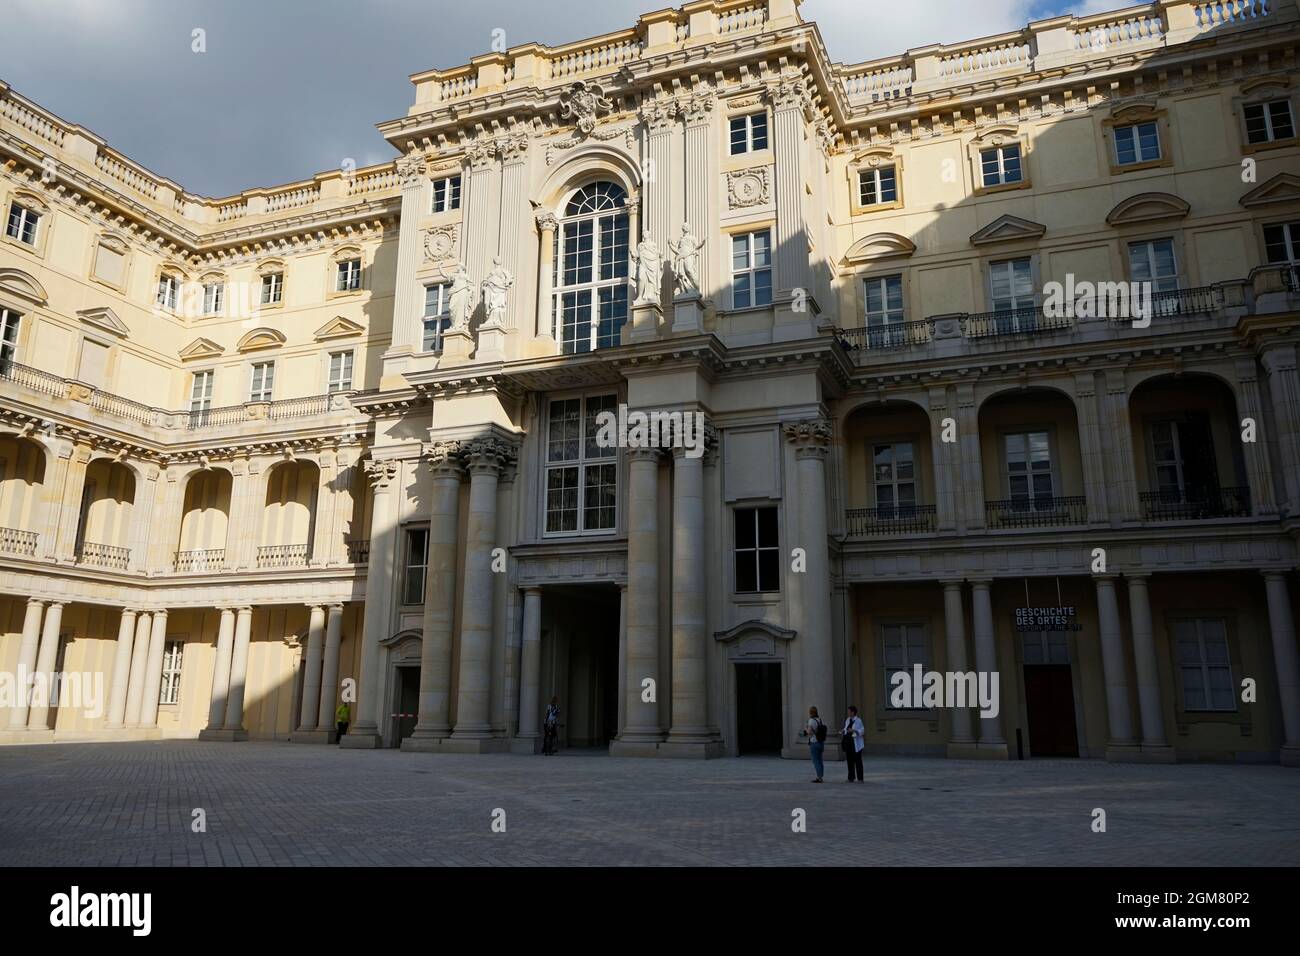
(821, 731)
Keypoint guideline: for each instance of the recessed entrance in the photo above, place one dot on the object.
(580, 662)
(408, 703)
(1049, 695)
(758, 708)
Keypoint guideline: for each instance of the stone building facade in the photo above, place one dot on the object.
(337, 439)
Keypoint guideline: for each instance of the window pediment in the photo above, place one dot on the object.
(200, 349)
(1134, 110)
(258, 339)
(1265, 86)
(19, 284)
(1284, 187)
(881, 245)
(270, 267)
(104, 319)
(31, 200)
(338, 327)
(754, 626)
(1147, 207)
(1007, 228)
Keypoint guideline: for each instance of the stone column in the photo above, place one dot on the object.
(322, 545)
(52, 512)
(986, 662)
(38, 718)
(364, 730)
(697, 112)
(311, 675)
(121, 669)
(329, 681)
(1150, 706)
(234, 722)
(407, 304)
(791, 108)
(153, 670)
(1121, 744)
(1259, 469)
(27, 662)
(221, 674)
(165, 541)
(446, 463)
(139, 661)
(1117, 441)
(659, 115)
(1094, 459)
(1282, 628)
(1280, 366)
(530, 682)
(622, 657)
(641, 733)
(946, 512)
(811, 441)
(482, 206)
(484, 457)
(512, 147)
(343, 502)
(954, 618)
(68, 512)
(970, 468)
(142, 518)
(546, 226)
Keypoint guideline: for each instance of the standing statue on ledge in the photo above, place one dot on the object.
(460, 299)
(495, 287)
(649, 271)
(686, 261)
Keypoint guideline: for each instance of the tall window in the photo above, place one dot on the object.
(904, 648)
(168, 292)
(751, 269)
(8, 337)
(876, 186)
(1011, 286)
(1282, 246)
(1183, 452)
(437, 318)
(263, 382)
(883, 298)
(272, 288)
(758, 555)
(1267, 122)
(581, 475)
(1204, 664)
(446, 194)
(1139, 143)
(894, 473)
(417, 560)
(1029, 470)
(348, 277)
(201, 395)
(214, 295)
(1001, 165)
(591, 288)
(340, 377)
(748, 133)
(22, 223)
(1153, 261)
(170, 691)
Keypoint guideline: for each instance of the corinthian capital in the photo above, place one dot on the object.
(446, 459)
(410, 168)
(789, 93)
(659, 114)
(512, 147)
(696, 108)
(380, 473)
(546, 220)
(480, 153)
(811, 437)
(489, 454)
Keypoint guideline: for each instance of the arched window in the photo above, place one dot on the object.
(591, 289)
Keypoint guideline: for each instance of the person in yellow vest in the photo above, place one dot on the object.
(341, 717)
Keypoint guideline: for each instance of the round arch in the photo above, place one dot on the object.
(588, 164)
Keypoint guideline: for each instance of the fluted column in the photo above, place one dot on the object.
(142, 518)
(946, 509)
(1093, 458)
(1259, 469)
(970, 468)
(311, 675)
(1150, 706)
(700, 178)
(407, 304)
(954, 618)
(660, 118)
(1117, 441)
(343, 502)
(1280, 365)
(792, 277)
(1114, 670)
(221, 672)
(446, 464)
(811, 440)
(239, 672)
(153, 670)
(163, 543)
(68, 511)
(139, 662)
(329, 680)
(53, 497)
(27, 662)
(1282, 628)
(39, 716)
(482, 205)
(530, 677)
(986, 662)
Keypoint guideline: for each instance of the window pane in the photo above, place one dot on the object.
(746, 571)
(769, 570)
(767, 527)
(746, 532)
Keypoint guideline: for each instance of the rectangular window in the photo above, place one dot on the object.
(581, 474)
(1029, 470)
(1139, 143)
(349, 276)
(340, 377)
(1282, 243)
(748, 133)
(1185, 464)
(1011, 285)
(904, 648)
(883, 299)
(1153, 261)
(263, 382)
(758, 555)
(214, 296)
(168, 291)
(437, 317)
(417, 560)
(877, 186)
(751, 269)
(272, 288)
(8, 337)
(894, 475)
(1201, 646)
(22, 223)
(1001, 165)
(1045, 647)
(446, 194)
(201, 393)
(170, 691)
(1268, 122)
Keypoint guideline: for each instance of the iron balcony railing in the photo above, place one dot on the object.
(33, 378)
(895, 335)
(216, 417)
(21, 543)
(212, 559)
(298, 407)
(1201, 300)
(1040, 512)
(359, 551)
(1189, 504)
(890, 519)
(104, 556)
(1030, 320)
(282, 556)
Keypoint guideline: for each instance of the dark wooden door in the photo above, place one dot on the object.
(1049, 698)
(758, 708)
(409, 702)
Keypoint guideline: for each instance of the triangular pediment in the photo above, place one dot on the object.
(881, 245)
(1007, 228)
(200, 349)
(1147, 207)
(104, 319)
(1284, 187)
(263, 338)
(339, 328)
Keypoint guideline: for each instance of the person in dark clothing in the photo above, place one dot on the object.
(852, 741)
(551, 727)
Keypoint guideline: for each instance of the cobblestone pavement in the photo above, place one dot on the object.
(131, 804)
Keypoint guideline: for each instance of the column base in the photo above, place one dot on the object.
(353, 741)
(1158, 753)
(639, 747)
(1123, 753)
(965, 750)
(471, 745)
(989, 751)
(526, 745)
(313, 736)
(426, 744)
(124, 733)
(26, 737)
(1290, 755)
(224, 734)
(692, 749)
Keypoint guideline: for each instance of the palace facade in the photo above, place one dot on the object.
(335, 440)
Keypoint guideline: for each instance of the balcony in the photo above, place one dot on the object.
(359, 551)
(197, 562)
(282, 556)
(20, 543)
(1193, 504)
(1036, 512)
(898, 335)
(104, 556)
(889, 520)
(1027, 321)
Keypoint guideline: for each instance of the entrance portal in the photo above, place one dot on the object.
(758, 708)
(408, 702)
(580, 662)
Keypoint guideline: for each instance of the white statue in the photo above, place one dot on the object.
(649, 271)
(495, 287)
(460, 299)
(686, 261)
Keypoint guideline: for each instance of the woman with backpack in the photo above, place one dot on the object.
(816, 732)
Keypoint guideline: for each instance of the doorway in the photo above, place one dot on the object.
(1049, 702)
(758, 708)
(580, 637)
(408, 702)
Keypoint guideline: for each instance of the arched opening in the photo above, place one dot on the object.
(890, 470)
(205, 518)
(591, 268)
(357, 532)
(104, 524)
(1033, 468)
(1185, 449)
(22, 475)
(289, 514)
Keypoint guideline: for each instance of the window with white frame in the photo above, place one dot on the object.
(1154, 261)
(591, 294)
(201, 393)
(1282, 247)
(340, 374)
(263, 382)
(214, 297)
(903, 647)
(169, 288)
(170, 690)
(1000, 165)
(415, 565)
(1029, 469)
(437, 316)
(1182, 451)
(877, 186)
(348, 276)
(883, 301)
(22, 223)
(1044, 647)
(751, 269)
(581, 473)
(272, 288)
(749, 133)
(1204, 664)
(894, 475)
(9, 320)
(1011, 285)
(1137, 143)
(757, 552)
(1268, 122)
(446, 194)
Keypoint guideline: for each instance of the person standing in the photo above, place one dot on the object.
(342, 715)
(816, 732)
(852, 740)
(551, 727)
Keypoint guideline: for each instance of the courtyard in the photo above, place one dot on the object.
(279, 804)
